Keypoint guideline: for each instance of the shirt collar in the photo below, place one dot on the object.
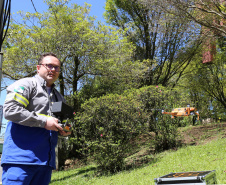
(42, 81)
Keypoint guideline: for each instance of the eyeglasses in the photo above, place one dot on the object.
(50, 67)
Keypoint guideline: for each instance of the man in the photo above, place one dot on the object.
(31, 135)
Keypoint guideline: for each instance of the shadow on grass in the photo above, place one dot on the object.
(79, 172)
(131, 164)
(137, 163)
(140, 162)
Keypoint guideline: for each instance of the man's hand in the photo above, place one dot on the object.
(52, 124)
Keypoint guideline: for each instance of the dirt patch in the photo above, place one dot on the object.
(202, 134)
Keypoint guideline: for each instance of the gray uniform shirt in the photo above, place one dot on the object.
(28, 103)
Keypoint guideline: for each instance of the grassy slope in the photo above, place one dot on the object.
(208, 156)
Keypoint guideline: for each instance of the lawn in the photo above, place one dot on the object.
(209, 154)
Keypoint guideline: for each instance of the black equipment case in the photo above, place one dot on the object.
(188, 178)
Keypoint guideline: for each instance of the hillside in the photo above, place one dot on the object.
(201, 134)
(203, 149)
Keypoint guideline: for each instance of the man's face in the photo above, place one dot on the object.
(47, 69)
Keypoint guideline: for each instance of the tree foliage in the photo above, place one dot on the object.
(86, 49)
(210, 14)
(166, 41)
(205, 85)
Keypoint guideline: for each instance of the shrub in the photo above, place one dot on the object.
(155, 99)
(106, 126)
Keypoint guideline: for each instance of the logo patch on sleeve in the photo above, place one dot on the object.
(19, 89)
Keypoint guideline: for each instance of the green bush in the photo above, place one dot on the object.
(107, 125)
(156, 99)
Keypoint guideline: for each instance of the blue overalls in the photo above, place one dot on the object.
(28, 146)
(29, 149)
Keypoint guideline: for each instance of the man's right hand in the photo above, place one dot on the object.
(52, 124)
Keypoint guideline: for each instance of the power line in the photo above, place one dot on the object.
(4, 19)
(33, 5)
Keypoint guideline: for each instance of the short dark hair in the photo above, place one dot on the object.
(45, 55)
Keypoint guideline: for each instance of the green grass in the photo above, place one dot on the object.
(211, 156)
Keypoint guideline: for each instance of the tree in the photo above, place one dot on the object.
(167, 42)
(210, 14)
(205, 85)
(85, 49)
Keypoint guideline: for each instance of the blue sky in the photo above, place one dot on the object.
(97, 10)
